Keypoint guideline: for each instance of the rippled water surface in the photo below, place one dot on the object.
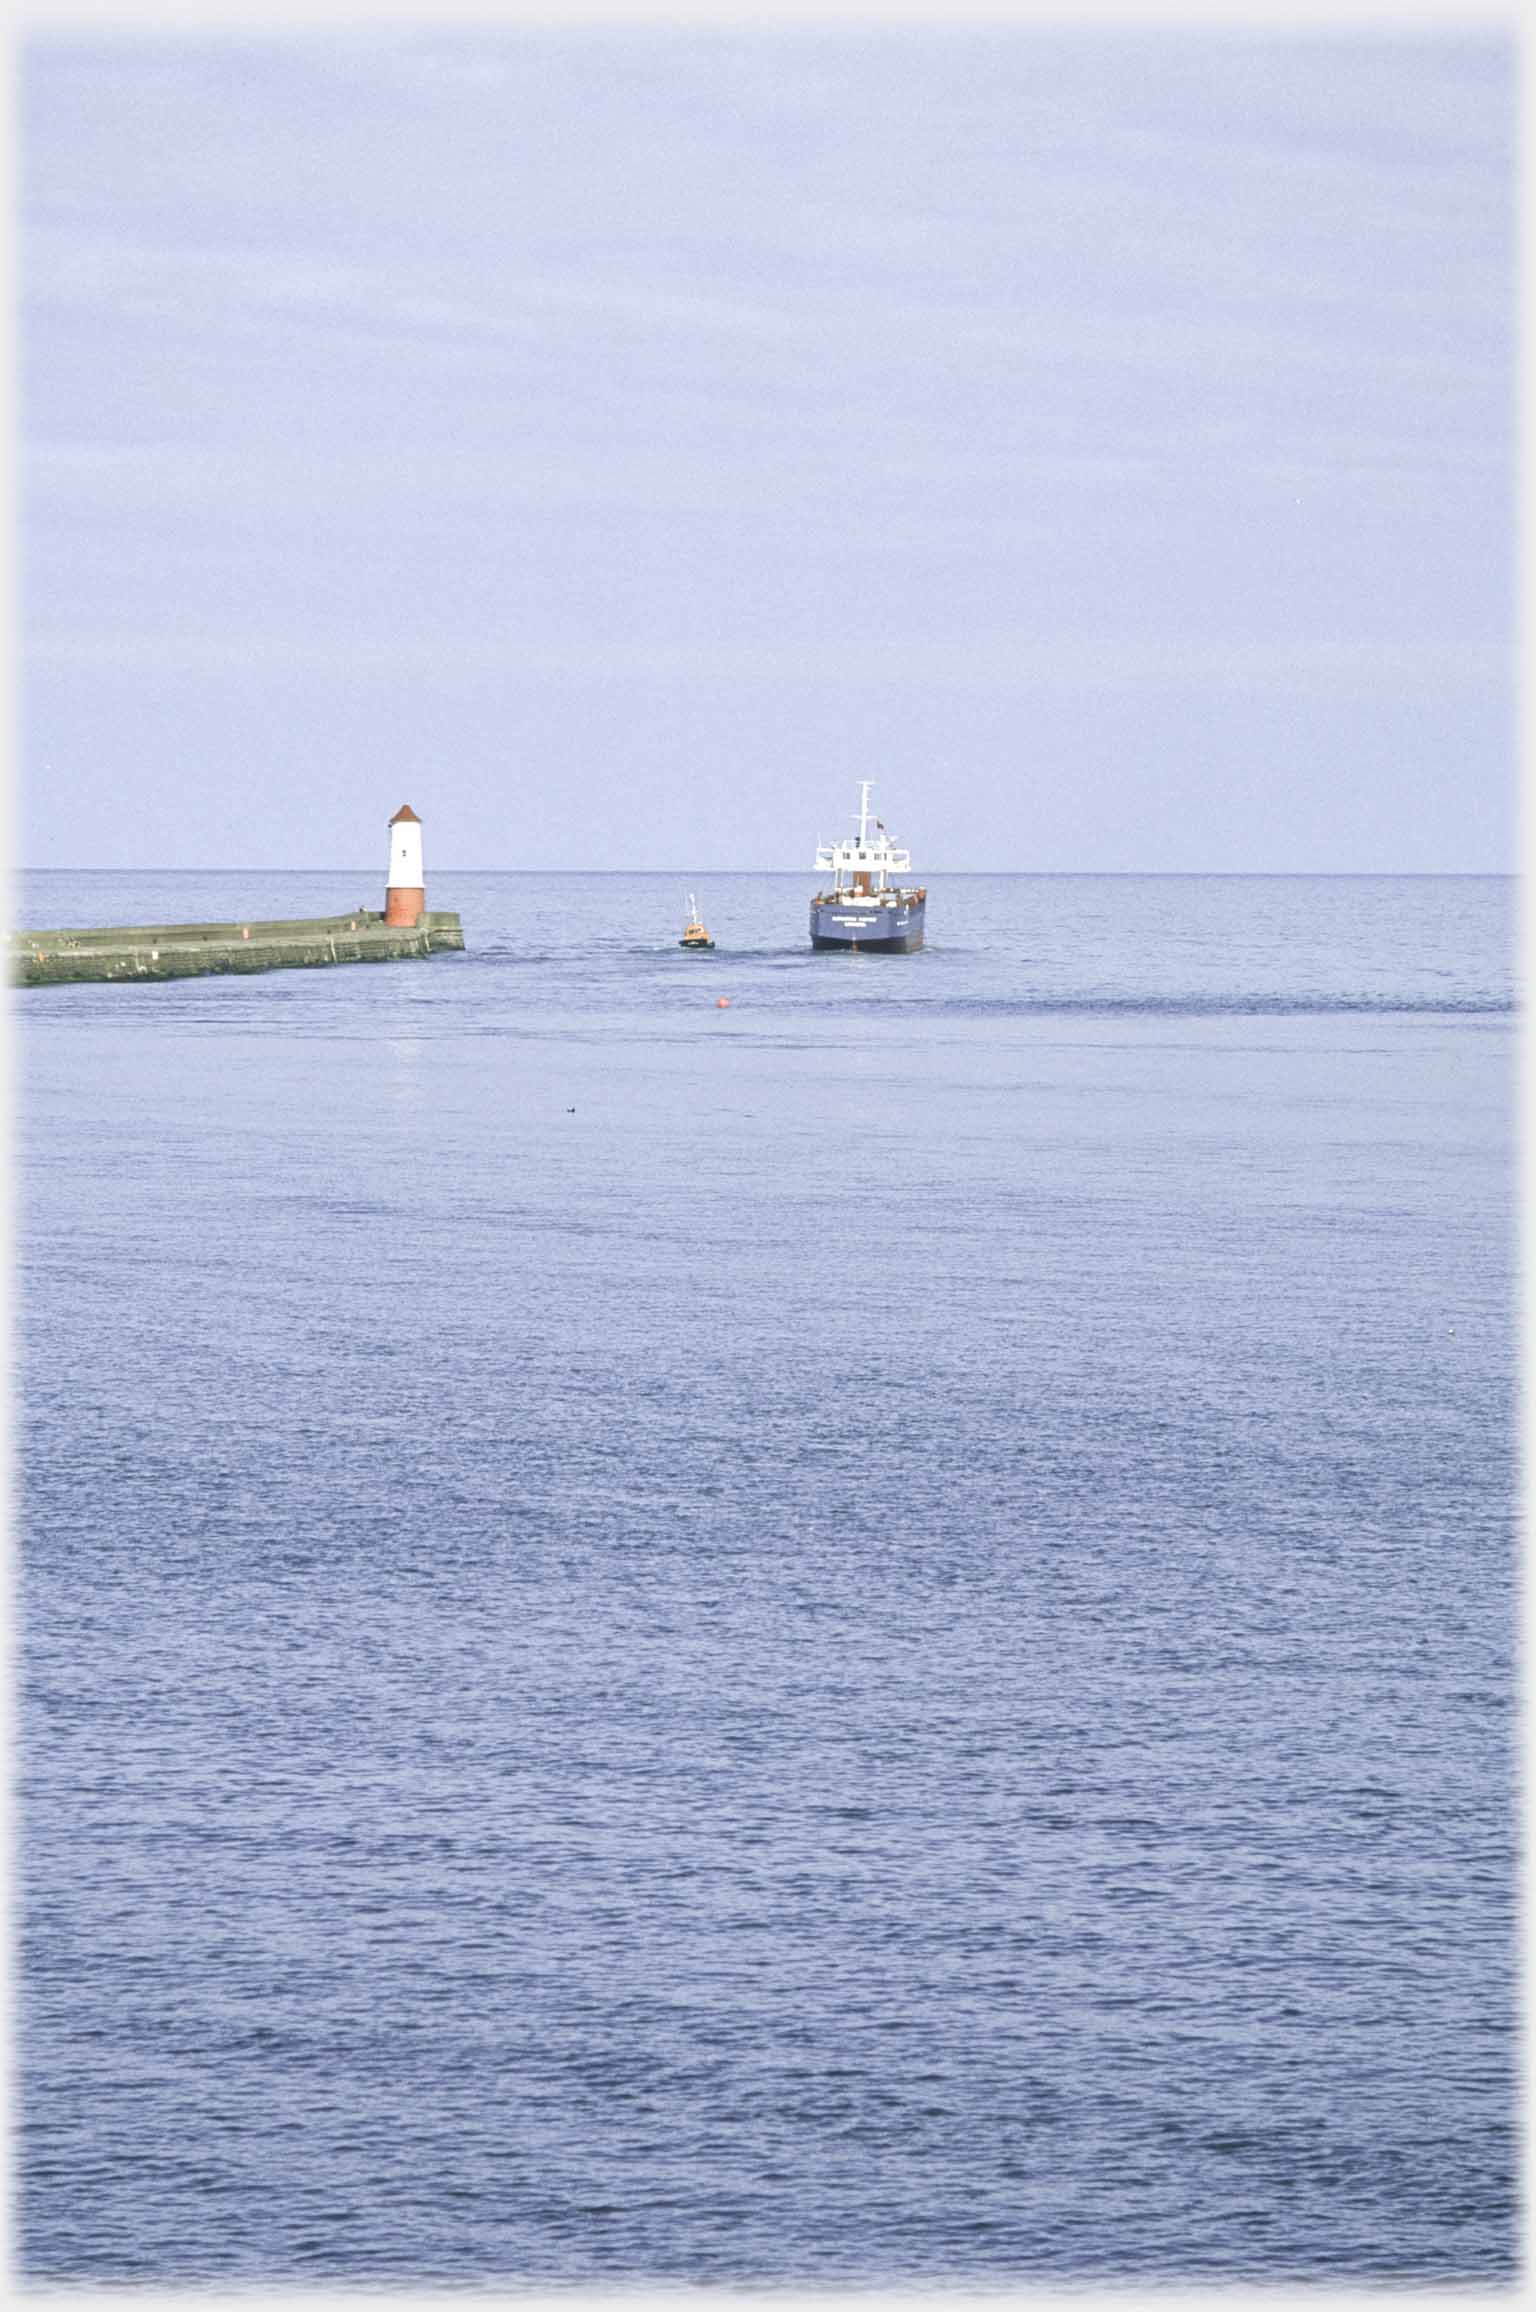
(864, 1636)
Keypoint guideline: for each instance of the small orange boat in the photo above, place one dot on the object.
(694, 934)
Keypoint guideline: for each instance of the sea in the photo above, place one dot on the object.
(771, 1618)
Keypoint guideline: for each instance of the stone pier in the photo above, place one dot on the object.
(187, 950)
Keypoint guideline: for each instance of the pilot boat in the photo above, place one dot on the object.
(694, 934)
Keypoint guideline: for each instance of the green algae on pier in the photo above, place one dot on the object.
(188, 950)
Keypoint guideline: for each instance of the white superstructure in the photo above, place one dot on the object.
(864, 861)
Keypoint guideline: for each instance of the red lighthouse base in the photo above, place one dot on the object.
(404, 906)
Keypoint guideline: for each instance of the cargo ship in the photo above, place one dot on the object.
(865, 908)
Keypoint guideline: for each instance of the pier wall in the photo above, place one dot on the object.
(188, 950)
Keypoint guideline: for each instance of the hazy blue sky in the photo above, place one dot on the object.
(618, 444)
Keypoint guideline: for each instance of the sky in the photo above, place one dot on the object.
(619, 442)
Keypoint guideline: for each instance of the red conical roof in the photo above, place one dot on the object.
(404, 812)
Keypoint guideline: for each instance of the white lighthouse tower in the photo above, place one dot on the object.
(405, 895)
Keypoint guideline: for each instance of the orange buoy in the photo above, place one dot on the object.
(722, 1003)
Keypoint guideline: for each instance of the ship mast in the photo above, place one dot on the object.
(863, 863)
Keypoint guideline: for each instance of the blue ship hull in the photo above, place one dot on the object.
(848, 923)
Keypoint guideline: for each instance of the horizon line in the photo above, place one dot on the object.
(972, 874)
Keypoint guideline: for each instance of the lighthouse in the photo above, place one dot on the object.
(405, 895)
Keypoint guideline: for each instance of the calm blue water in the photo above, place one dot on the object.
(864, 1637)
